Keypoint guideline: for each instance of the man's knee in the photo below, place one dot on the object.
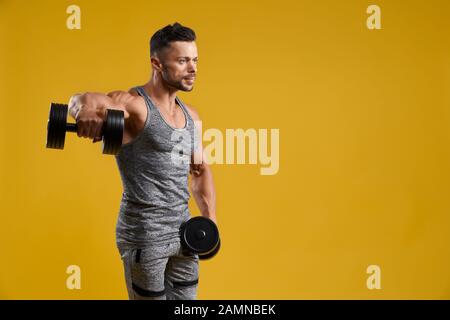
(182, 290)
(144, 294)
(185, 284)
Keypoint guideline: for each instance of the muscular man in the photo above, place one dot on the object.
(156, 193)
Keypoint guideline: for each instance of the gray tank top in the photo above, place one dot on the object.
(154, 169)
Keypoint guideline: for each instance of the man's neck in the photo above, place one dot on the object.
(162, 95)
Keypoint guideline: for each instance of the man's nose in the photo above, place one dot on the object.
(192, 67)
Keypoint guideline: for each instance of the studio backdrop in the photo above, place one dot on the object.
(326, 124)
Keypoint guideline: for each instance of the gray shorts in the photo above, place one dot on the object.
(160, 273)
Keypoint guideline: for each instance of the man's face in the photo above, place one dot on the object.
(179, 65)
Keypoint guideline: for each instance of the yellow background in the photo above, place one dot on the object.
(363, 115)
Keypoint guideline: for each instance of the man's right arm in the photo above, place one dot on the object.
(89, 110)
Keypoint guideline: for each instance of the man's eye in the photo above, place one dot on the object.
(181, 61)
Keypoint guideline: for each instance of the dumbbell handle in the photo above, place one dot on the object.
(71, 127)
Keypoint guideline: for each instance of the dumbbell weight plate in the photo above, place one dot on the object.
(200, 235)
(56, 126)
(212, 253)
(113, 131)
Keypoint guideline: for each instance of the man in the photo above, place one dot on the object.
(156, 193)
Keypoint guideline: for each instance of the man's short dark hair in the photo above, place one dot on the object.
(170, 33)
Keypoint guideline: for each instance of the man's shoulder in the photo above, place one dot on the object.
(133, 91)
(122, 94)
(131, 101)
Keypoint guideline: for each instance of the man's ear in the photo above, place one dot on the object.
(156, 64)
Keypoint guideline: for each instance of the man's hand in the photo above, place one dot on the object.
(89, 111)
(89, 123)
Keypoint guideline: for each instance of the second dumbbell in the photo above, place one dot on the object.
(57, 126)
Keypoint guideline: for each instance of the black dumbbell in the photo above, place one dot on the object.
(200, 235)
(57, 126)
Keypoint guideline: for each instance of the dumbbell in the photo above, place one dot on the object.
(57, 126)
(200, 235)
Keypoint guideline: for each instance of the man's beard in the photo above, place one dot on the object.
(175, 84)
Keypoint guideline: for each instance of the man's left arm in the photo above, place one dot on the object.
(202, 184)
(202, 188)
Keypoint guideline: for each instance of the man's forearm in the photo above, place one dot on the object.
(203, 191)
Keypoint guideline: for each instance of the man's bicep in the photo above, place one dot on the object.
(197, 158)
(198, 163)
(198, 154)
